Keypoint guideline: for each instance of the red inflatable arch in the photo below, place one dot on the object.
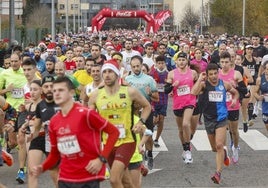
(98, 20)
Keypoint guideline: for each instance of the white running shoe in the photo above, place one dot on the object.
(235, 156)
(188, 157)
(183, 155)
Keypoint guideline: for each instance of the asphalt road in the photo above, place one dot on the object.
(170, 171)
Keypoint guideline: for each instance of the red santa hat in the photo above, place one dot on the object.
(111, 64)
(51, 47)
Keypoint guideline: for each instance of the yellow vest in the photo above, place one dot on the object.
(117, 109)
(136, 157)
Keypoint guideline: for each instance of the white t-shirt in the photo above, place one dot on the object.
(148, 60)
(127, 57)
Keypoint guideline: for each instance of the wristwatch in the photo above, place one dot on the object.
(142, 120)
(102, 159)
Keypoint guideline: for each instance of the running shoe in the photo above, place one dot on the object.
(231, 144)
(7, 158)
(145, 157)
(107, 173)
(216, 178)
(226, 159)
(250, 123)
(235, 156)
(245, 127)
(183, 155)
(150, 163)
(188, 157)
(20, 177)
(156, 144)
(254, 116)
(144, 170)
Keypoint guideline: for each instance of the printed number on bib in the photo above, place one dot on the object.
(183, 90)
(215, 96)
(252, 72)
(160, 88)
(122, 131)
(265, 96)
(47, 142)
(228, 97)
(17, 93)
(68, 145)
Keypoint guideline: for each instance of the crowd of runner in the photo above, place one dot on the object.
(90, 102)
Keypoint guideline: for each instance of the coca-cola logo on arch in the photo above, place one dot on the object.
(161, 20)
(123, 14)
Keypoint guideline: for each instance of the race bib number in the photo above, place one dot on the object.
(47, 143)
(265, 96)
(17, 93)
(122, 131)
(128, 59)
(252, 72)
(68, 145)
(228, 97)
(160, 87)
(215, 96)
(183, 90)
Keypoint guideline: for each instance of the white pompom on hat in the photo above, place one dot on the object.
(111, 64)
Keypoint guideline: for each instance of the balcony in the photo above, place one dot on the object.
(155, 2)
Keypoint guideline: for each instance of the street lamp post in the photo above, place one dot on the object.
(202, 15)
(67, 17)
(243, 19)
(11, 21)
(53, 20)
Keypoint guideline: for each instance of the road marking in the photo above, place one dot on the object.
(162, 144)
(154, 170)
(200, 141)
(255, 139)
(156, 151)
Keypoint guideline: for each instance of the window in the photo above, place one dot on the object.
(62, 6)
(74, 6)
(95, 6)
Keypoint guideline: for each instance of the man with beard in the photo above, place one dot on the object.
(40, 63)
(128, 53)
(172, 47)
(162, 50)
(114, 102)
(96, 54)
(40, 138)
(50, 67)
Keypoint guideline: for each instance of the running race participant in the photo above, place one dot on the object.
(114, 103)
(180, 82)
(75, 135)
(160, 108)
(147, 87)
(215, 112)
(261, 93)
(233, 77)
(44, 111)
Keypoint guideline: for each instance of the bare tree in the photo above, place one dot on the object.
(206, 16)
(40, 17)
(190, 18)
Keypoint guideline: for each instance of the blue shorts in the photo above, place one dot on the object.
(160, 110)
